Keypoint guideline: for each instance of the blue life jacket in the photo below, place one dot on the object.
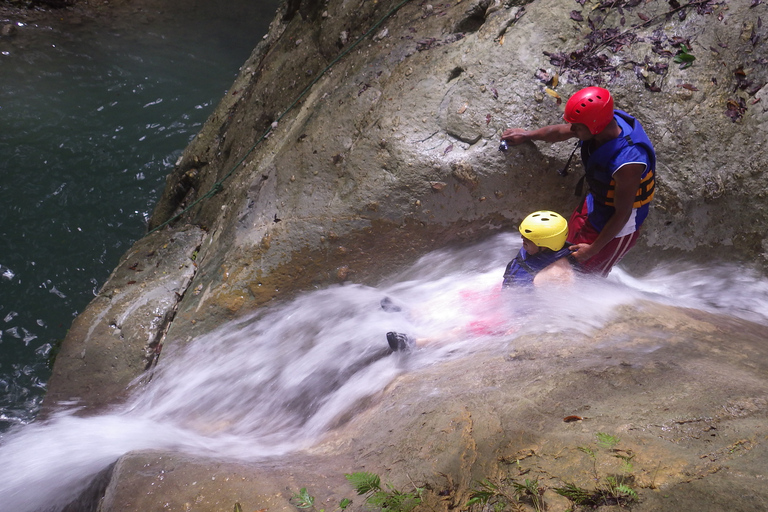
(632, 146)
(521, 270)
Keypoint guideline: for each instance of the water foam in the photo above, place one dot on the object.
(276, 381)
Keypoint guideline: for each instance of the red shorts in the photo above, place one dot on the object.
(580, 231)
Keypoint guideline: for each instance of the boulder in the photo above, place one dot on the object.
(120, 333)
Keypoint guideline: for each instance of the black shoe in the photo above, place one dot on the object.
(389, 306)
(399, 342)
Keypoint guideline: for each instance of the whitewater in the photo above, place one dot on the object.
(277, 380)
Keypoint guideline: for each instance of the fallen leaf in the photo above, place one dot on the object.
(690, 87)
(569, 419)
(576, 16)
(643, 17)
(448, 149)
(462, 109)
(653, 87)
(554, 94)
(438, 185)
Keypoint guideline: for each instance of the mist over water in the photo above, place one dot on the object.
(276, 381)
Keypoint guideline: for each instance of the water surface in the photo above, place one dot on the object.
(93, 119)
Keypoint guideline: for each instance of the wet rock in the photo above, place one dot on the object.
(685, 397)
(120, 333)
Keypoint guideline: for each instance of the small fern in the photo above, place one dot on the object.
(389, 500)
(303, 499)
(484, 494)
(626, 461)
(619, 491)
(576, 494)
(606, 440)
(363, 482)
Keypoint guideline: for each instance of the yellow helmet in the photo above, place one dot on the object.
(545, 229)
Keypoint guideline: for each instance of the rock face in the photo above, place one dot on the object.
(341, 175)
(120, 334)
(360, 135)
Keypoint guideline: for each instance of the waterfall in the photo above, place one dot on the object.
(275, 381)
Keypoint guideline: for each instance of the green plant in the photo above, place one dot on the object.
(493, 494)
(304, 500)
(368, 485)
(499, 496)
(626, 460)
(592, 455)
(683, 57)
(387, 500)
(618, 491)
(578, 495)
(606, 440)
(530, 489)
(613, 489)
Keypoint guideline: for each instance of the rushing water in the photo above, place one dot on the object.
(276, 381)
(92, 120)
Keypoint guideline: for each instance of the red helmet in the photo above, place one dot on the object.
(592, 106)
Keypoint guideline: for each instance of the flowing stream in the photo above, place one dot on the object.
(275, 382)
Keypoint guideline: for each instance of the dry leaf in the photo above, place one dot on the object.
(462, 109)
(554, 94)
(438, 185)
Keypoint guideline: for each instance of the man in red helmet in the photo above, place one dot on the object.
(619, 161)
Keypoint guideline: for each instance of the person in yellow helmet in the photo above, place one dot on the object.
(544, 259)
(545, 254)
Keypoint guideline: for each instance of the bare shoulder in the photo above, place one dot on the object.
(558, 273)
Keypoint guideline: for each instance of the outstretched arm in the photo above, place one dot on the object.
(550, 133)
